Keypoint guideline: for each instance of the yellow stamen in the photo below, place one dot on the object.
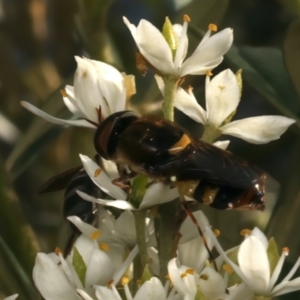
(168, 276)
(227, 268)
(125, 280)
(209, 73)
(212, 27)
(203, 277)
(183, 275)
(104, 247)
(58, 251)
(286, 250)
(97, 172)
(190, 271)
(186, 18)
(94, 235)
(63, 93)
(245, 232)
(217, 232)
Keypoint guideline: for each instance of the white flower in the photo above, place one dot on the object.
(222, 99)
(157, 193)
(12, 297)
(97, 85)
(209, 284)
(155, 49)
(149, 290)
(57, 278)
(254, 266)
(191, 250)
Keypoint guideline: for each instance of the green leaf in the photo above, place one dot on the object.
(79, 265)
(273, 254)
(291, 51)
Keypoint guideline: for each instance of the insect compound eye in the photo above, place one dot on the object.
(108, 133)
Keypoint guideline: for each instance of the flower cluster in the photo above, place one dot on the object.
(105, 259)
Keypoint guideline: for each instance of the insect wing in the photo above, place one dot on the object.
(200, 160)
(59, 182)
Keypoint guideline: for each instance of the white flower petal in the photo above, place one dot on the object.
(175, 277)
(288, 287)
(182, 46)
(12, 297)
(99, 270)
(87, 229)
(101, 180)
(261, 236)
(125, 228)
(208, 53)
(178, 30)
(158, 193)
(154, 47)
(104, 293)
(83, 294)
(111, 84)
(213, 286)
(51, 281)
(258, 130)
(151, 289)
(189, 106)
(254, 264)
(121, 204)
(222, 96)
(49, 118)
(85, 247)
(222, 144)
(72, 107)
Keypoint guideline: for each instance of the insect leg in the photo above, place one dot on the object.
(182, 187)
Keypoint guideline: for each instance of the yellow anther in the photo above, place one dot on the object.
(58, 251)
(94, 235)
(104, 247)
(217, 232)
(203, 277)
(227, 268)
(186, 18)
(168, 276)
(286, 250)
(125, 280)
(190, 271)
(184, 274)
(97, 172)
(212, 27)
(63, 93)
(209, 73)
(245, 232)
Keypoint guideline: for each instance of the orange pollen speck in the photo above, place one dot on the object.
(286, 250)
(94, 235)
(186, 18)
(227, 268)
(139, 282)
(183, 275)
(110, 282)
(57, 251)
(97, 172)
(104, 246)
(245, 232)
(212, 27)
(124, 280)
(221, 87)
(217, 232)
(167, 276)
(209, 73)
(63, 93)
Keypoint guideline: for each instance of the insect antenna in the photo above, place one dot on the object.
(181, 188)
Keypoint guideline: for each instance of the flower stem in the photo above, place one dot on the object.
(139, 217)
(166, 228)
(211, 133)
(171, 83)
